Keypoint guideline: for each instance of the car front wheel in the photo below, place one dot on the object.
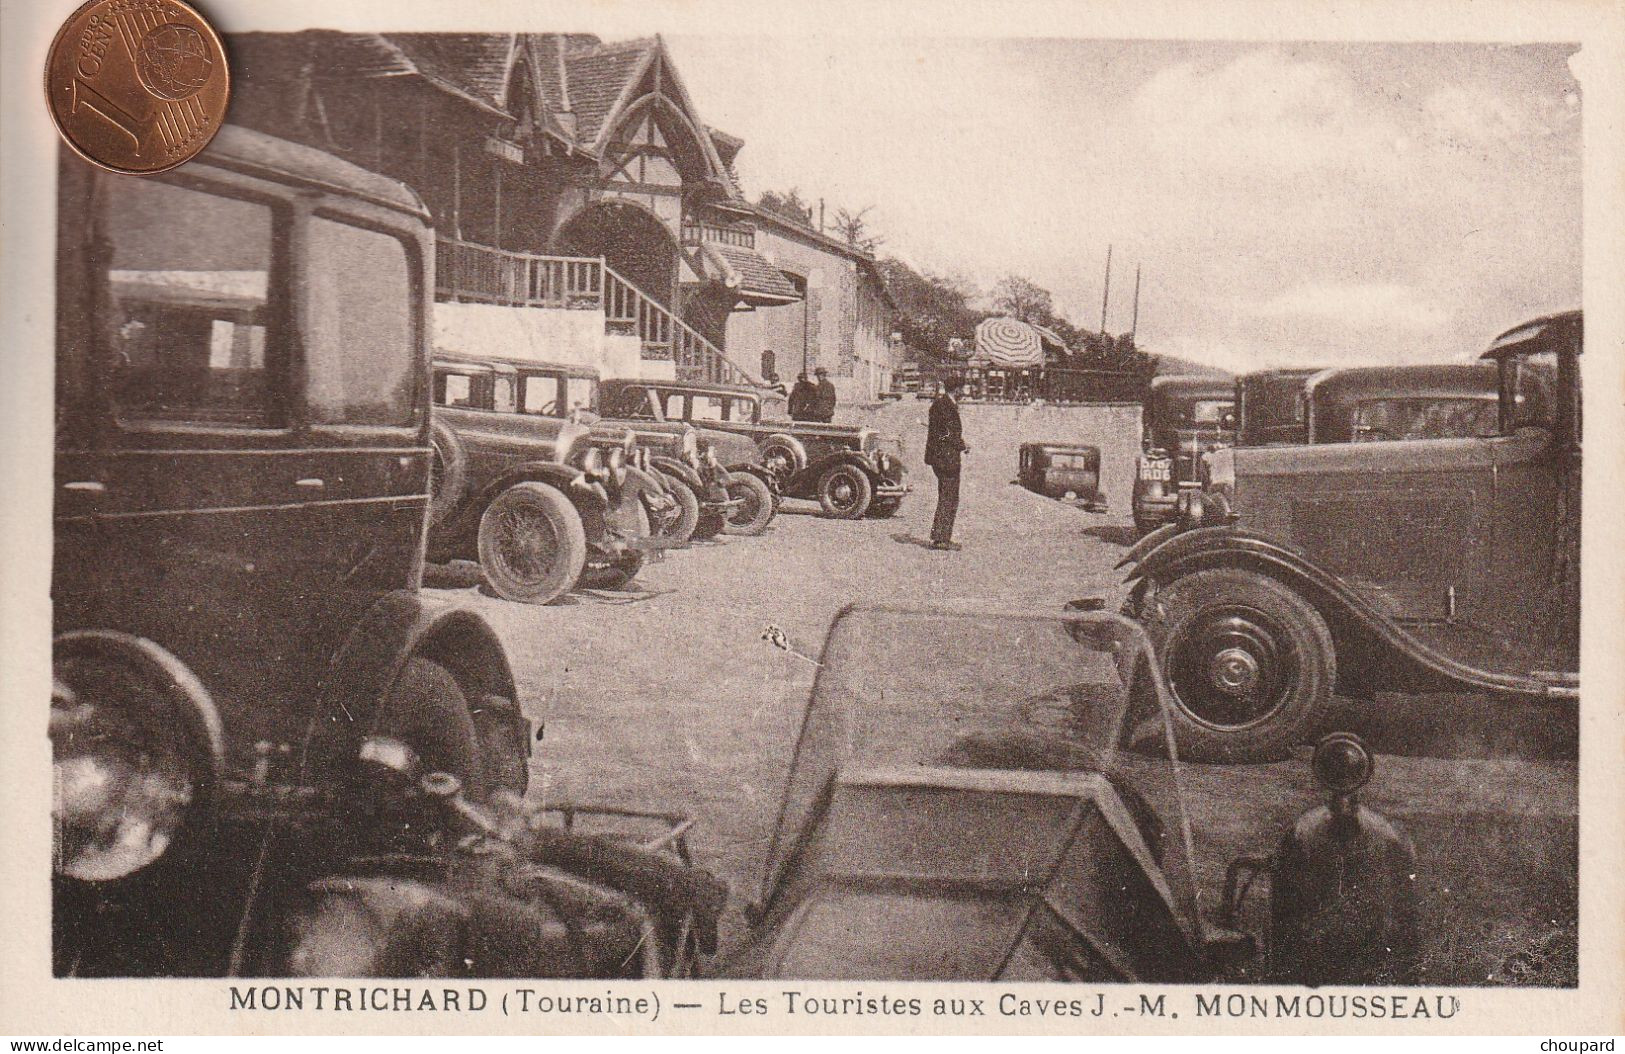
(1250, 663)
(755, 509)
(680, 526)
(844, 491)
(532, 546)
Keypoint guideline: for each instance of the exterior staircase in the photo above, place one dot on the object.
(469, 273)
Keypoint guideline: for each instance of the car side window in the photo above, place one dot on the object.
(675, 410)
(361, 353)
(541, 395)
(454, 389)
(187, 277)
(632, 402)
(708, 408)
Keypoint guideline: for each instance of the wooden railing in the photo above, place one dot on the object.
(480, 274)
(467, 272)
(695, 233)
(664, 335)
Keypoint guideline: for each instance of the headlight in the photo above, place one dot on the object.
(592, 463)
(617, 461)
(135, 747)
(691, 445)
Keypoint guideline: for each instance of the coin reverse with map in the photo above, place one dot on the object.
(137, 85)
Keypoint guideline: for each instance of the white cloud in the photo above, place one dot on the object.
(1263, 112)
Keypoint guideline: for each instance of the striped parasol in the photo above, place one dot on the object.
(1007, 343)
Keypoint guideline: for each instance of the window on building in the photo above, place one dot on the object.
(187, 274)
(362, 352)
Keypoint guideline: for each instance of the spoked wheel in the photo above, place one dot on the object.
(681, 526)
(1250, 663)
(844, 491)
(532, 546)
(755, 509)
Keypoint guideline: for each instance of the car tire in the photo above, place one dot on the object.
(844, 491)
(448, 472)
(531, 544)
(1143, 525)
(618, 573)
(1250, 664)
(688, 510)
(783, 456)
(427, 710)
(884, 508)
(756, 511)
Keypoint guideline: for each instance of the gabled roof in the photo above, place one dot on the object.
(599, 77)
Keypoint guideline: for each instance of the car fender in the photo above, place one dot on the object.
(399, 626)
(678, 469)
(796, 449)
(1374, 651)
(760, 473)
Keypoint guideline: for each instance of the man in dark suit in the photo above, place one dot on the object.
(802, 397)
(824, 401)
(944, 444)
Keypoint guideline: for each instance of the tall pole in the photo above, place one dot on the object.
(1134, 327)
(1106, 295)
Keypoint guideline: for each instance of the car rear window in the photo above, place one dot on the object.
(362, 353)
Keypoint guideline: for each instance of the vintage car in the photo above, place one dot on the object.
(718, 476)
(543, 502)
(242, 470)
(1181, 419)
(1449, 564)
(1271, 408)
(1012, 809)
(850, 470)
(1069, 471)
(1368, 404)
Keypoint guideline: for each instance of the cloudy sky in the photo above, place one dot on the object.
(1289, 203)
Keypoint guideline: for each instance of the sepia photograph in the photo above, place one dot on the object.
(707, 503)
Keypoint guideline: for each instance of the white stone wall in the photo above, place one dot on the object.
(543, 335)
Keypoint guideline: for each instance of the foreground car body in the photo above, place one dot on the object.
(1061, 470)
(542, 499)
(850, 470)
(1183, 418)
(1413, 565)
(962, 806)
(242, 473)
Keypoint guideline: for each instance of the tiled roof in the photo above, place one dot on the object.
(477, 63)
(749, 272)
(597, 76)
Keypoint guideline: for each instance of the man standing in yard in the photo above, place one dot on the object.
(944, 444)
(824, 403)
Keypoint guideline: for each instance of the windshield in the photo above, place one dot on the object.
(909, 688)
(1207, 412)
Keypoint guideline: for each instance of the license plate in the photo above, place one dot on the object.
(1156, 471)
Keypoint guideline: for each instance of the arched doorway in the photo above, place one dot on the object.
(631, 239)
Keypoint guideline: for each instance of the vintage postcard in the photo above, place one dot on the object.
(545, 518)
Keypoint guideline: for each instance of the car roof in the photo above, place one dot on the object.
(1546, 331)
(509, 364)
(1439, 379)
(1187, 386)
(687, 386)
(236, 147)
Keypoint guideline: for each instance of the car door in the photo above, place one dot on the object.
(174, 517)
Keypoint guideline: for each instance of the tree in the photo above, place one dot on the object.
(787, 204)
(1025, 299)
(853, 228)
(931, 309)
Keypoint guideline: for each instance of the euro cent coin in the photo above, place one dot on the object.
(137, 86)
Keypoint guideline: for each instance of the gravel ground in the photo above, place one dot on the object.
(665, 696)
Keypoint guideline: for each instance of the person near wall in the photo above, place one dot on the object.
(824, 403)
(803, 398)
(944, 446)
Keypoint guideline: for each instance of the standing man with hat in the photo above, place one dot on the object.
(802, 398)
(824, 402)
(944, 445)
